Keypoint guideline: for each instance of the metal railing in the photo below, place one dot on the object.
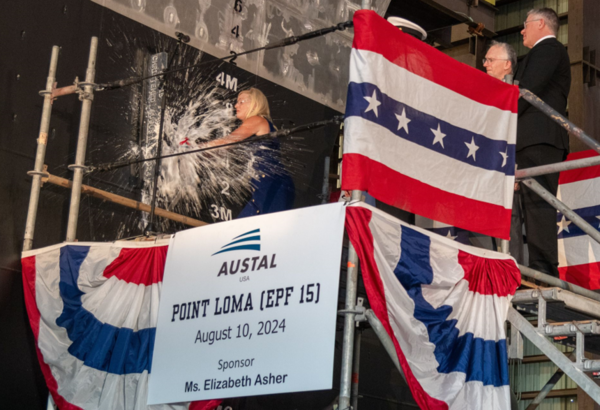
(581, 299)
(526, 176)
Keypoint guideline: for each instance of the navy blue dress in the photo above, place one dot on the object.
(273, 187)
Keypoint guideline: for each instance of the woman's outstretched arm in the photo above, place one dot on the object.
(250, 126)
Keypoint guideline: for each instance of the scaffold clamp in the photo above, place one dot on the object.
(40, 173)
(359, 310)
(361, 317)
(85, 168)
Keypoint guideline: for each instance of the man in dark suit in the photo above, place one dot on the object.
(546, 72)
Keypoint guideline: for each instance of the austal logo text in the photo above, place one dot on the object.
(249, 241)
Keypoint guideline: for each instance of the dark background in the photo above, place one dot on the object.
(28, 30)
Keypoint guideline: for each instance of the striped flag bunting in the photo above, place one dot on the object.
(426, 133)
(444, 305)
(93, 309)
(578, 253)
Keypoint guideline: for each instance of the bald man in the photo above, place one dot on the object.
(500, 61)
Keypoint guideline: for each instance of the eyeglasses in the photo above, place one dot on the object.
(525, 22)
(491, 60)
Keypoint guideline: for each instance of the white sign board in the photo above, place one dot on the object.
(248, 307)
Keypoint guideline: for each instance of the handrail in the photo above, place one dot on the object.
(560, 119)
(558, 167)
(551, 280)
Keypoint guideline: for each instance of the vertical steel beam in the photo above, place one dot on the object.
(579, 348)
(84, 125)
(158, 162)
(349, 326)
(356, 368)
(541, 325)
(40, 154)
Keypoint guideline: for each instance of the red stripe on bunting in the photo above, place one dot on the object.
(385, 184)
(487, 276)
(373, 33)
(29, 276)
(28, 271)
(142, 266)
(580, 174)
(357, 225)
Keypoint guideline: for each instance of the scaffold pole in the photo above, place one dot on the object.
(356, 367)
(349, 326)
(84, 125)
(40, 155)
(557, 167)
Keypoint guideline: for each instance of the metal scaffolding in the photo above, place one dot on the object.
(574, 298)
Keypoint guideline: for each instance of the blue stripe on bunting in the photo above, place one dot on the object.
(481, 360)
(99, 345)
(589, 214)
(420, 126)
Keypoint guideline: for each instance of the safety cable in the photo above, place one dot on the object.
(264, 137)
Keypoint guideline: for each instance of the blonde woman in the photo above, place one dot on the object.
(273, 187)
(252, 108)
